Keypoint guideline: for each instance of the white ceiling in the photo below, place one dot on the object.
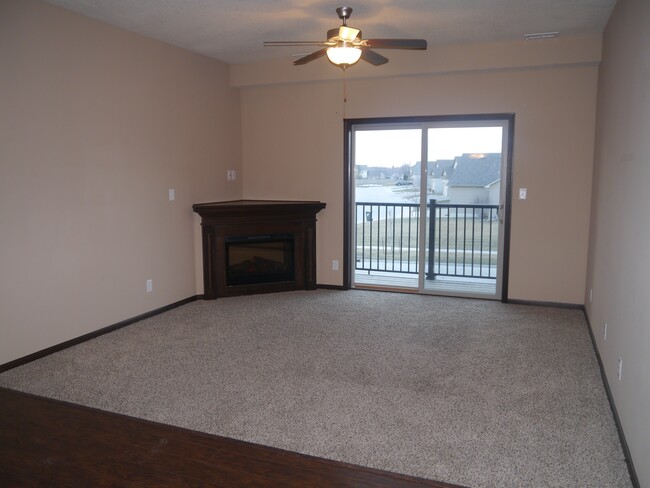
(233, 30)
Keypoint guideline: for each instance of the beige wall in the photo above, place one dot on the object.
(293, 148)
(96, 124)
(619, 262)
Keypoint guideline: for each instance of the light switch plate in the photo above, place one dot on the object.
(522, 193)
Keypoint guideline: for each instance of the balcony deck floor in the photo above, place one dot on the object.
(443, 285)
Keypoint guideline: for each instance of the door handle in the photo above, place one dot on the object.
(500, 212)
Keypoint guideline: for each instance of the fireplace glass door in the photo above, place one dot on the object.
(259, 259)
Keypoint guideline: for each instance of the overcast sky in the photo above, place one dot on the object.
(397, 147)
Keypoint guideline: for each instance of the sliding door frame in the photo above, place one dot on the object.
(348, 181)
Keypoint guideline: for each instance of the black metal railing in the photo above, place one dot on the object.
(461, 239)
(387, 237)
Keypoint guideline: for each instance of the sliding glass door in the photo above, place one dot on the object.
(436, 227)
(386, 205)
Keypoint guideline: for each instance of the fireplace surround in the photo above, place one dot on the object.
(258, 246)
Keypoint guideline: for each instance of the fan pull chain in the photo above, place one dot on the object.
(345, 92)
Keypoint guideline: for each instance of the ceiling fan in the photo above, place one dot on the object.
(345, 46)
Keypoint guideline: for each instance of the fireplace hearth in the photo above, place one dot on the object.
(258, 246)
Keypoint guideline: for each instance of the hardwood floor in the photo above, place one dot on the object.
(45, 442)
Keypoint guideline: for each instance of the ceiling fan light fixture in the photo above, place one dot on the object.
(345, 46)
(344, 55)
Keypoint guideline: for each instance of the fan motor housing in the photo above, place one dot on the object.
(333, 34)
(344, 13)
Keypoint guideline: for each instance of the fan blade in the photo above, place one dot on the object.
(372, 57)
(348, 34)
(396, 43)
(310, 57)
(297, 43)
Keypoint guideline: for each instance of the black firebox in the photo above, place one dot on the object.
(258, 259)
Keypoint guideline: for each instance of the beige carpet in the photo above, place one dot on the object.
(471, 392)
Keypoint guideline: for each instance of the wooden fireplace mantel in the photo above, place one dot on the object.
(220, 220)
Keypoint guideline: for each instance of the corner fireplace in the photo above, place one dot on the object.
(258, 259)
(258, 246)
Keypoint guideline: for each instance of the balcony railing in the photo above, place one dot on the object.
(462, 240)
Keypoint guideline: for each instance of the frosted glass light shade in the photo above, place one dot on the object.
(344, 55)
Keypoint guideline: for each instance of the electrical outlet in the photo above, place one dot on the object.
(335, 265)
(149, 286)
(232, 175)
(620, 368)
(172, 195)
(605, 331)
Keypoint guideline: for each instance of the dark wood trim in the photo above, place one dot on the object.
(423, 119)
(45, 442)
(571, 306)
(91, 335)
(619, 427)
(505, 280)
(347, 258)
(332, 287)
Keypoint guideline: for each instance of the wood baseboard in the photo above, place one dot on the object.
(571, 306)
(619, 427)
(332, 287)
(91, 335)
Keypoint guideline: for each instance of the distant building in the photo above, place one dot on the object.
(475, 179)
(440, 172)
(470, 179)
